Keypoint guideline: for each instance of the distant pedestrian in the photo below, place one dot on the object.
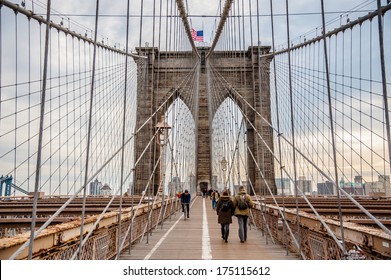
(227, 190)
(242, 203)
(204, 192)
(225, 209)
(214, 197)
(185, 201)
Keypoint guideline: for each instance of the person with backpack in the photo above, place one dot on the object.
(225, 209)
(185, 201)
(242, 203)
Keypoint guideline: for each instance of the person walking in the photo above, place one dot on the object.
(214, 197)
(185, 201)
(242, 203)
(225, 209)
(204, 192)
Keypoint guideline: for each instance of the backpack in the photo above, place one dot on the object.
(242, 203)
(225, 206)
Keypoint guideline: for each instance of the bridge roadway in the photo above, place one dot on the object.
(199, 238)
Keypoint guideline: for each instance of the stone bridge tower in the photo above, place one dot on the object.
(165, 70)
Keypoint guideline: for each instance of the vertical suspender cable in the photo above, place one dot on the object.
(278, 117)
(89, 130)
(292, 125)
(361, 101)
(224, 15)
(260, 96)
(173, 125)
(253, 74)
(234, 40)
(67, 106)
(153, 103)
(351, 91)
(29, 106)
(1, 58)
(384, 78)
(144, 89)
(40, 133)
(371, 100)
(141, 22)
(50, 115)
(59, 106)
(123, 129)
(332, 123)
(244, 47)
(343, 99)
(237, 146)
(16, 94)
(130, 227)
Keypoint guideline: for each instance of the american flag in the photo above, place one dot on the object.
(197, 36)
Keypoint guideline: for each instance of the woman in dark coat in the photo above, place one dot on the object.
(225, 209)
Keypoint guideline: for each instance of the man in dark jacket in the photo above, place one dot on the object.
(241, 212)
(185, 200)
(225, 209)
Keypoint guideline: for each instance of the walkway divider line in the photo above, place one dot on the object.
(206, 249)
(166, 234)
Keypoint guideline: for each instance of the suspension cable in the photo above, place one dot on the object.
(40, 137)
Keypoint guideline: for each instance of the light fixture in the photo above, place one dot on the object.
(224, 164)
(162, 128)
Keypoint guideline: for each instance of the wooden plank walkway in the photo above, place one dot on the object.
(199, 238)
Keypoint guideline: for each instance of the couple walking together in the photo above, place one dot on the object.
(240, 207)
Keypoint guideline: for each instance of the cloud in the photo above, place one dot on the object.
(80, 16)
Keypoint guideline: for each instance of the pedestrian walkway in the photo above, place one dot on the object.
(199, 238)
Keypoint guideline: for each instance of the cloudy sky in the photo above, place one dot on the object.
(79, 16)
(203, 14)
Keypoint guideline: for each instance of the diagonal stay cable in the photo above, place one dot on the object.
(230, 89)
(48, 222)
(182, 11)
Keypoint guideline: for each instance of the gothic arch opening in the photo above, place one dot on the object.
(228, 147)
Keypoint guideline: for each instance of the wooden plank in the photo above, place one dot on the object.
(184, 241)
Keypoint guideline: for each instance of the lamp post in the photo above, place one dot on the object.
(162, 140)
(223, 166)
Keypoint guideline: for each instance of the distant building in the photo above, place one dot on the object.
(304, 185)
(105, 190)
(353, 188)
(381, 186)
(358, 179)
(325, 188)
(283, 182)
(95, 187)
(385, 180)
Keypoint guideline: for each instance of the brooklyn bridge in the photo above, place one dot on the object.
(109, 111)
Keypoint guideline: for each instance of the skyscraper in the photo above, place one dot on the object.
(325, 188)
(280, 182)
(304, 185)
(95, 187)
